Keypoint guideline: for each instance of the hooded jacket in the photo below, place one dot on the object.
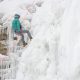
(16, 24)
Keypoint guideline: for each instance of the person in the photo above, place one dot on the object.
(17, 29)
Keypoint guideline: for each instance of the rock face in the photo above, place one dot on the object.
(3, 49)
(3, 38)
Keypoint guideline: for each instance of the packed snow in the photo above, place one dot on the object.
(53, 53)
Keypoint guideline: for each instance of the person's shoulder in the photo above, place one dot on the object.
(15, 20)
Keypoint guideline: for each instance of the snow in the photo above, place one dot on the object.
(40, 60)
(12, 5)
(70, 42)
(53, 53)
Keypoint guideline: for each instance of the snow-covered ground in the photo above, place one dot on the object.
(53, 53)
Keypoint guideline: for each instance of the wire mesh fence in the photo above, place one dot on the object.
(8, 68)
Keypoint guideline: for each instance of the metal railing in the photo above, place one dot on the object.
(8, 68)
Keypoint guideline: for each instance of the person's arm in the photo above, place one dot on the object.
(18, 25)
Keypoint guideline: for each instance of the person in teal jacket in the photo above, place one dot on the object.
(17, 28)
(16, 23)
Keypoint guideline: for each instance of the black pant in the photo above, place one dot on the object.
(21, 33)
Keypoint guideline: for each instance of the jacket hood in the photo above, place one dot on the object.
(17, 16)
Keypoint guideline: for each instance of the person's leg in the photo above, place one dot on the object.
(26, 31)
(13, 35)
(22, 38)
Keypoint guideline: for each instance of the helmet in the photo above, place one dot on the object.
(17, 16)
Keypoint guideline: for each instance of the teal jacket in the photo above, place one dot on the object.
(16, 25)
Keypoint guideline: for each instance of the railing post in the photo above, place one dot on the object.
(10, 44)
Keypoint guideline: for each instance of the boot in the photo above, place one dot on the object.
(24, 44)
(31, 38)
(15, 38)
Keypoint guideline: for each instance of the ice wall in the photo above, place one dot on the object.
(53, 54)
(69, 61)
(40, 60)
